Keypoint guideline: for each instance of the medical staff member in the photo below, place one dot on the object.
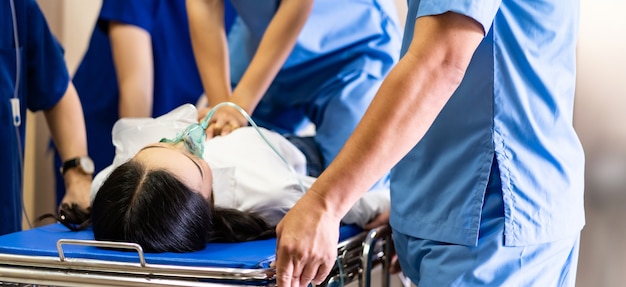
(139, 63)
(487, 180)
(295, 62)
(33, 76)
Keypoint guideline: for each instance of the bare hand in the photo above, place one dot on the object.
(307, 243)
(77, 189)
(380, 219)
(225, 120)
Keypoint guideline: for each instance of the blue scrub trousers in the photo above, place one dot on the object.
(431, 263)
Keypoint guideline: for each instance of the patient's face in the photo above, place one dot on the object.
(190, 169)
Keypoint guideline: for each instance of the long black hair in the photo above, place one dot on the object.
(156, 210)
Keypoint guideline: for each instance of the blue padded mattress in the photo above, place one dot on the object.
(41, 241)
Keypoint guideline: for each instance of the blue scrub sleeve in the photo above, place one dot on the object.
(46, 75)
(140, 13)
(482, 11)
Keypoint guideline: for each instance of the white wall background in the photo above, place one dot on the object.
(601, 86)
(600, 118)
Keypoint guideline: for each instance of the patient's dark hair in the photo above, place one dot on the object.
(156, 210)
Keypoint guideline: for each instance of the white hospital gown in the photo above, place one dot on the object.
(247, 174)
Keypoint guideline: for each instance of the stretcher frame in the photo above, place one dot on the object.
(356, 258)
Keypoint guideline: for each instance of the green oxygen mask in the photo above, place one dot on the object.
(193, 136)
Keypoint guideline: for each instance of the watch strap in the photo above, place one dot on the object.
(69, 164)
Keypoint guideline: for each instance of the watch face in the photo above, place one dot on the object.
(86, 164)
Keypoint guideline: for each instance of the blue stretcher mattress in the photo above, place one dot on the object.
(41, 241)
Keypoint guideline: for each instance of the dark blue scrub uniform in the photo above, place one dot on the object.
(43, 81)
(176, 78)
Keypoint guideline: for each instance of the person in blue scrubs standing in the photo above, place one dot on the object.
(33, 76)
(291, 63)
(139, 63)
(487, 179)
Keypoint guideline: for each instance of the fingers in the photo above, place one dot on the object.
(227, 129)
(224, 122)
(292, 272)
(210, 131)
(284, 271)
(322, 273)
(379, 220)
(372, 224)
(221, 129)
(311, 273)
(308, 273)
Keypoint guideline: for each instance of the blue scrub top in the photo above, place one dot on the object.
(176, 78)
(340, 58)
(335, 32)
(515, 104)
(43, 81)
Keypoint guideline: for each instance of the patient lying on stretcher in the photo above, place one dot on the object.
(178, 195)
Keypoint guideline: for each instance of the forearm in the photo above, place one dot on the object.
(67, 128)
(276, 45)
(411, 97)
(210, 48)
(132, 56)
(67, 125)
(377, 143)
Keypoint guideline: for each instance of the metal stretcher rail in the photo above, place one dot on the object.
(357, 256)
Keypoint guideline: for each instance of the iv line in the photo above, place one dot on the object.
(205, 122)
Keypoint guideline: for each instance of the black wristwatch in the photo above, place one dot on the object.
(84, 163)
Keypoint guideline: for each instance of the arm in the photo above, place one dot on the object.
(67, 127)
(411, 96)
(370, 210)
(275, 46)
(210, 48)
(132, 55)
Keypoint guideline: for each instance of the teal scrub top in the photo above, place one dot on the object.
(43, 82)
(514, 105)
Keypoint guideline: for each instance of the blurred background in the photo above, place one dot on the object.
(600, 119)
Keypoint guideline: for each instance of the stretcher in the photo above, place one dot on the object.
(52, 255)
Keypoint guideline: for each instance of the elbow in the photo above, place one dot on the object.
(453, 71)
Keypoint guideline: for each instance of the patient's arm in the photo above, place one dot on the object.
(380, 219)
(370, 210)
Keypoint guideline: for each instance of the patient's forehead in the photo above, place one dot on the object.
(181, 165)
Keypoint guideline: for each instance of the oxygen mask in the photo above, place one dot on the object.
(193, 138)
